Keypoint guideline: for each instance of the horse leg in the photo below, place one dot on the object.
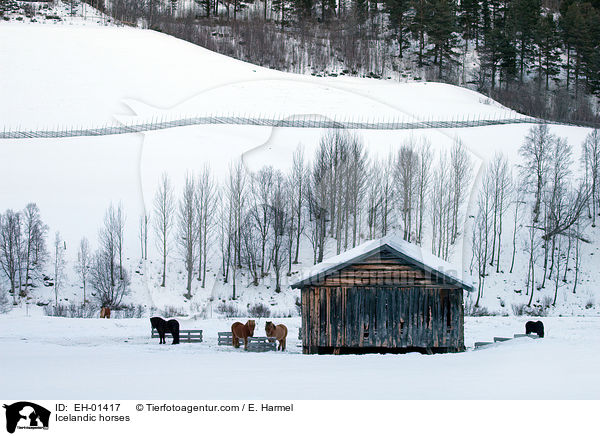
(282, 343)
(246, 343)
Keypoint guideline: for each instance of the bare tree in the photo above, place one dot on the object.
(318, 202)
(407, 163)
(236, 194)
(260, 211)
(59, 265)
(34, 237)
(577, 255)
(187, 239)
(422, 180)
(143, 235)
(225, 235)
(387, 197)
(206, 203)
(373, 197)
(109, 292)
(591, 164)
(518, 200)
(531, 249)
(501, 180)
(280, 223)
(164, 212)
(251, 249)
(482, 232)
(9, 252)
(535, 152)
(558, 262)
(84, 263)
(441, 201)
(460, 173)
(356, 186)
(298, 182)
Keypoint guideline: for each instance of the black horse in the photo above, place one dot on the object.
(535, 327)
(162, 327)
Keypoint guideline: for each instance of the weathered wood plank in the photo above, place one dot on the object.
(360, 317)
(349, 318)
(436, 320)
(305, 310)
(383, 315)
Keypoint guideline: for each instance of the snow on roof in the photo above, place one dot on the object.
(415, 254)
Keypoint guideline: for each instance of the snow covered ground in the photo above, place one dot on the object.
(58, 358)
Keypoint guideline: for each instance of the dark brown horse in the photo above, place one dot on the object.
(534, 327)
(242, 331)
(163, 327)
(278, 332)
(105, 312)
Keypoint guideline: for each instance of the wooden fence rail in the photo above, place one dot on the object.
(184, 335)
(255, 343)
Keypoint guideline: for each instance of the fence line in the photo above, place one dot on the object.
(291, 121)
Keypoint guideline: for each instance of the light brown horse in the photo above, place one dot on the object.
(105, 312)
(278, 332)
(242, 331)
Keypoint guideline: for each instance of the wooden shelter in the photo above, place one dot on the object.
(385, 296)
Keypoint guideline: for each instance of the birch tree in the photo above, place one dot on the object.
(84, 263)
(34, 237)
(59, 265)
(187, 238)
(164, 217)
(460, 175)
(9, 253)
(535, 152)
(206, 204)
(236, 191)
(591, 163)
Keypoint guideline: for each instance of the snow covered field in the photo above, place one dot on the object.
(57, 358)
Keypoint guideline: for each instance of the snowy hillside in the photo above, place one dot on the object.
(92, 75)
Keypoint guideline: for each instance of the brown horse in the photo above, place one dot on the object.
(239, 331)
(105, 312)
(278, 332)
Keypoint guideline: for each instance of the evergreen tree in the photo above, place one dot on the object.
(398, 21)
(548, 45)
(523, 17)
(469, 19)
(418, 26)
(440, 31)
(282, 8)
(360, 10)
(303, 9)
(206, 5)
(327, 9)
(581, 27)
(496, 55)
(588, 47)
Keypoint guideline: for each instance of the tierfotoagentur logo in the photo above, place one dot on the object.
(24, 415)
